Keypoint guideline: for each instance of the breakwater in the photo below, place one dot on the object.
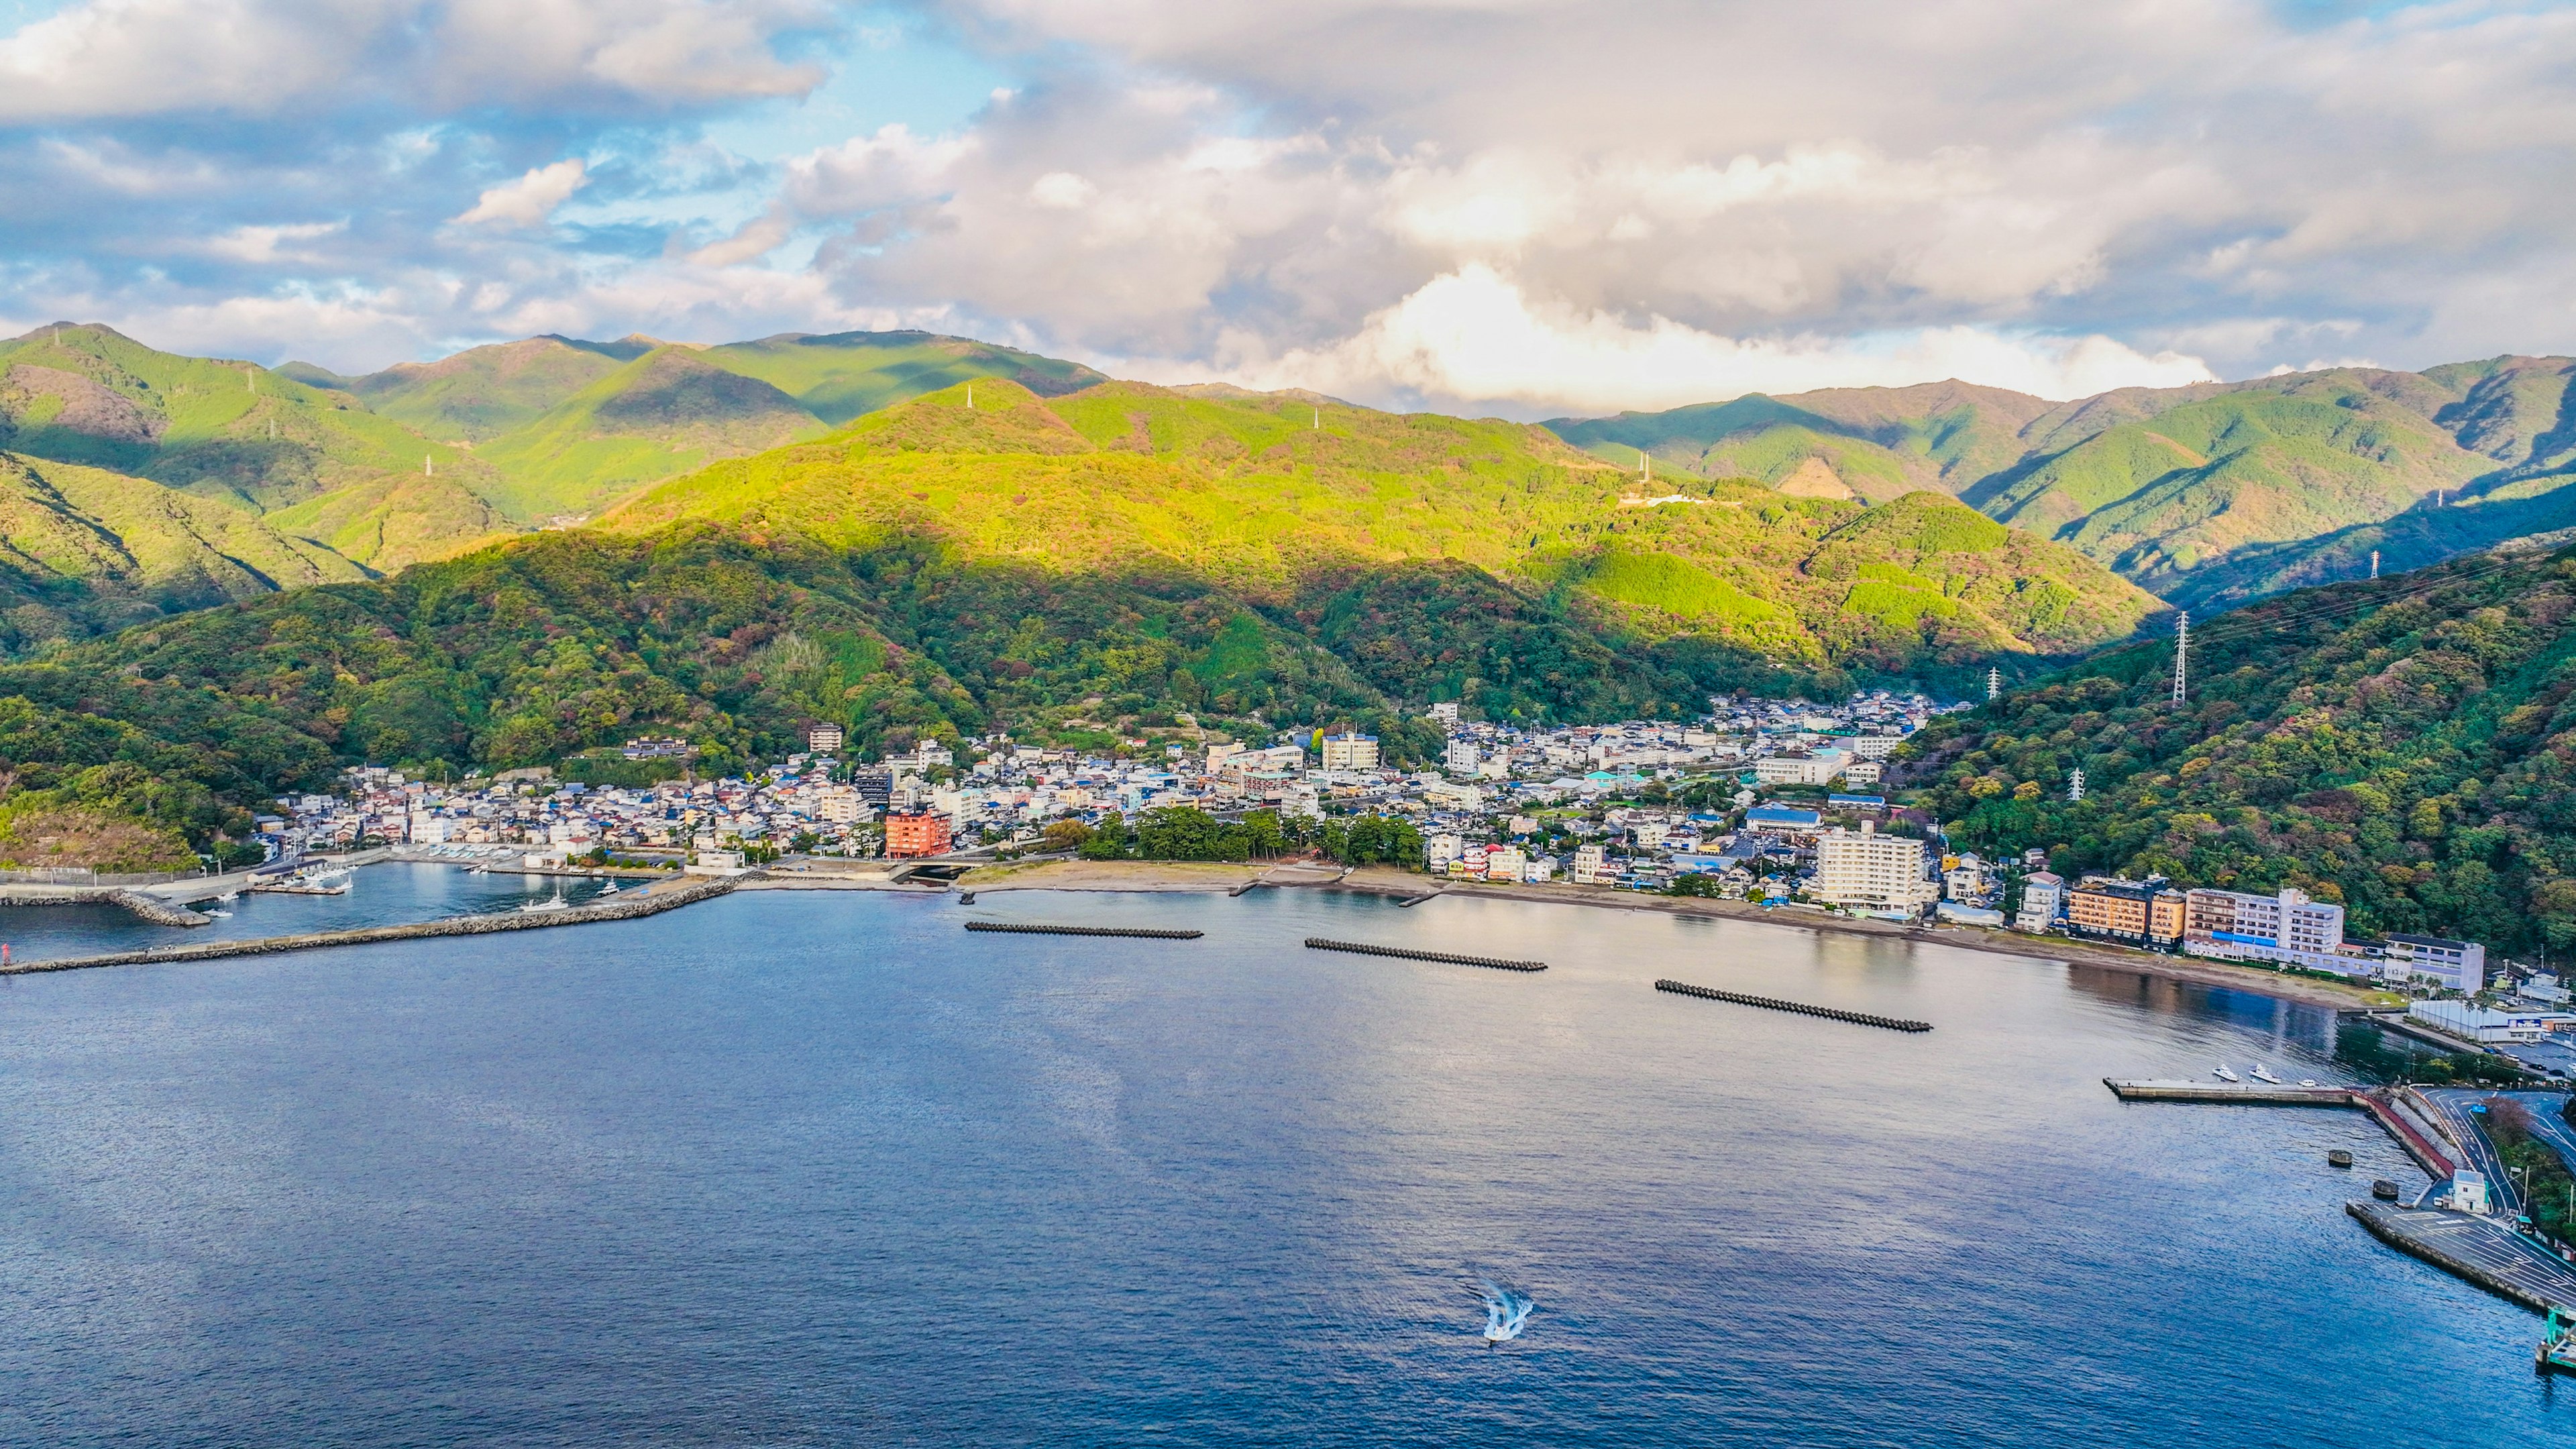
(1148, 933)
(151, 908)
(624, 908)
(2400, 1123)
(1360, 948)
(1770, 1003)
(2477, 1250)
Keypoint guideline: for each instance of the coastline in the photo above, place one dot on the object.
(1146, 875)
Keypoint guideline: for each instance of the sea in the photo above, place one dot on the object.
(820, 1168)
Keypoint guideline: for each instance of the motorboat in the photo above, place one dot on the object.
(2307, 1081)
(609, 889)
(553, 903)
(2224, 1074)
(2264, 1074)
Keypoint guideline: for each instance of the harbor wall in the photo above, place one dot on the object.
(624, 908)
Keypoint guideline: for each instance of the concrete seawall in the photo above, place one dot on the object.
(158, 911)
(624, 908)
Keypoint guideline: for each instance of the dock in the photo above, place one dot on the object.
(1361, 948)
(1148, 933)
(2383, 1106)
(1773, 1003)
(2479, 1250)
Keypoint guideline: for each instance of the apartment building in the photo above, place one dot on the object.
(1865, 869)
(2115, 908)
(913, 834)
(2286, 929)
(1350, 751)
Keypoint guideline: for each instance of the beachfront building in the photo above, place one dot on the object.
(2459, 965)
(2043, 900)
(1869, 871)
(2287, 929)
(1592, 865)
(911, 835)
(2118, 909)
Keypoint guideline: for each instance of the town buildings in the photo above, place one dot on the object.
(2144, 912)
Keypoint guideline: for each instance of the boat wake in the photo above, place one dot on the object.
(1506, 1309)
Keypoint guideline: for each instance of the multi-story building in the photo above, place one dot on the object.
(2126, 910)
(1866, 869)
(1350, 750)
(2460, 965)
(1800, 769)
(823, 739)
(1591, 865)
(2043, 900)
(2287, 929)
(913, 834)
(1505, 862)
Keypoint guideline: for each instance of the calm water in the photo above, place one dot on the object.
(388, 893)
(826, 1170)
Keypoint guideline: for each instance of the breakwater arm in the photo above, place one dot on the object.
(1767, 1003)
(624, 908)
(1145, 932)
(1318, 943)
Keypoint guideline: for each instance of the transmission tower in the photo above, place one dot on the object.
(1994, 684)
(2374, 563)
(2075, 786)
(2182, 661)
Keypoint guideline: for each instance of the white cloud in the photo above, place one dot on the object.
(1475, 336)
(529, 200)
(104, 58)
(262, 245)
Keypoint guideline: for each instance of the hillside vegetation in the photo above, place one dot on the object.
(2405, 746)
(2205, 495)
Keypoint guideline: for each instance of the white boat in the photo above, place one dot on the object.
(221, 915)
(2224, 1074)
(555, 903)
(2307, 1081)
(609, 889)
(2264, 1074)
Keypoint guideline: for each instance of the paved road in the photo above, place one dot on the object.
(2486, 1246)
(2453, 1103)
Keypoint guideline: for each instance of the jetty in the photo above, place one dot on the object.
(1772, 1003)
(2411, 1130)
(1148, 933)
(625, 907)
(2480, 1250)
(1362, 948)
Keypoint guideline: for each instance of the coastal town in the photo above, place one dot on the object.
(1767, 801)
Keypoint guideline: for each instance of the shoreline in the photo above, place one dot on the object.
(1169, 876)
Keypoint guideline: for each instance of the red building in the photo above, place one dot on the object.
(911, 836)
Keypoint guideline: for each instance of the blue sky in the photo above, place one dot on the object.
(1522, 206)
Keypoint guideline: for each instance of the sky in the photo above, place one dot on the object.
(1523, 207)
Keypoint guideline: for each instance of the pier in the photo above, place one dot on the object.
(1148, 933)
(1360, 948)
(625, 907)
(2383, 1107)
(1769, 1003)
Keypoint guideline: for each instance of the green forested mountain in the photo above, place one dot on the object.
(481, 393)
(2405, 746)
(84, 550)
(841, 375)
(2206, 495)
(1122, 559)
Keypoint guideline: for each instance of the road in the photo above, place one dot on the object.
(2454, 1103)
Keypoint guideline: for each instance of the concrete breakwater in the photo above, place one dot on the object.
(2478, 1250)
(2407, 1127)
(158, 911)
(624, 908)
(1318, 943)
(1769, 1003)
(1149, 933)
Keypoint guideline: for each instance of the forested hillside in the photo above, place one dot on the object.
(2206, 495)
(2405, 746)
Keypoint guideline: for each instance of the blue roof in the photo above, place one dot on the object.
(1780, 815)
(1875, 801)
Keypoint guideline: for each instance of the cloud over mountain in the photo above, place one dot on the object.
(1533, 204)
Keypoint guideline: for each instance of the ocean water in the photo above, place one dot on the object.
(387, 893)
(824, 1169)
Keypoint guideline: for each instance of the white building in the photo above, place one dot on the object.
(1350, 751)
(1871, 871)
(2474, 1023)
(1446, 713)
(1441, 848)
(2288, 929)
(2460, 965)
(1461, 758)
(823, 739)
(2043, 900)
(1591, 865)
(1505, 862)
